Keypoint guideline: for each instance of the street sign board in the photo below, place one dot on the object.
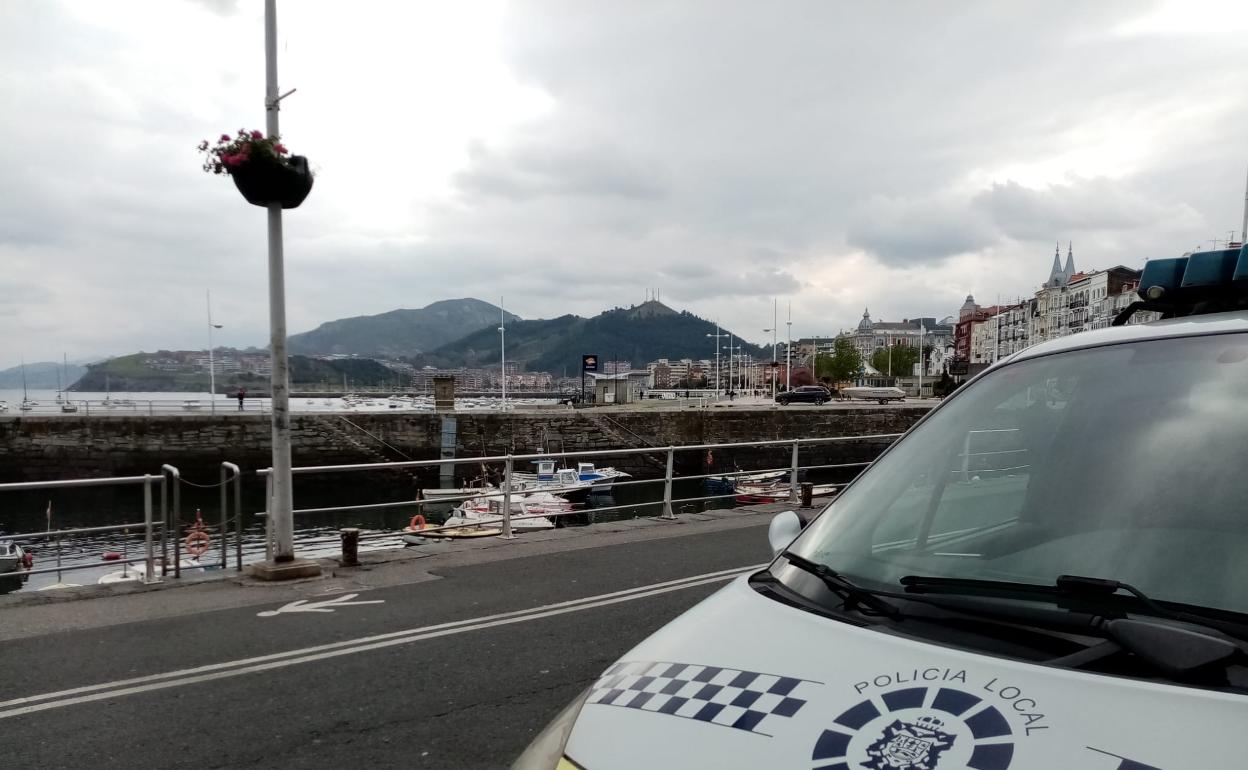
(589, 363)
(959, 367)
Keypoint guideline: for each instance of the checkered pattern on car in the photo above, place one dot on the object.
(729, 697)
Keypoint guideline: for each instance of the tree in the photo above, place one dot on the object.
(842, 365)
(899, 360)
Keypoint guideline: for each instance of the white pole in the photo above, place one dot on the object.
(1243, 232)
(788, 343)
(212, 368)
(717, 380)
(283, 496)
(922, 331)
(775, 333)
(502, 335)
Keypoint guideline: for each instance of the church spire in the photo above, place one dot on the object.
(1056, 274)
(1069, 270)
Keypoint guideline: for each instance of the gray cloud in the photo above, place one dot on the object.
(844, 155)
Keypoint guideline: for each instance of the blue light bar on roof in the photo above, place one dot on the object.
(1197, 275)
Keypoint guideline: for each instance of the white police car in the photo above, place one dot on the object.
(1049, 571)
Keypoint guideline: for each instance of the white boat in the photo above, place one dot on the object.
(12, 557)
(67, 407)
(59, 585)
(191, 405)
(4, 407)
(489, 516)
(601, 478)
(26, 405)
(126, 574)
(882, 395)
(563, 481)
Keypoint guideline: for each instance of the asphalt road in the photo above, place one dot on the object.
(460, 671)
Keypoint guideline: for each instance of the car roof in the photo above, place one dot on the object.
(1188, 326)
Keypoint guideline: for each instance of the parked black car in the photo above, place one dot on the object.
(805, 394)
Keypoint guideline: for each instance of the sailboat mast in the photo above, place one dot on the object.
(502, 331)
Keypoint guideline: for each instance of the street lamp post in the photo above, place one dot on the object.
(212, 367)
(717, 336)
(788, 344)
(502, 341)
(775, 306)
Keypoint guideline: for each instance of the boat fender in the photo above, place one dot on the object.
(417, 522)
(28, 560)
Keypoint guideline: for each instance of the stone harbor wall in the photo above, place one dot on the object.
(57, 447)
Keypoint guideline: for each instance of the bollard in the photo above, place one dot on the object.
(808, 494)
(350, 547)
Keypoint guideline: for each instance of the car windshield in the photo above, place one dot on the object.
(1124, 462)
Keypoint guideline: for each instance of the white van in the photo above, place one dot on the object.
(1048, 572)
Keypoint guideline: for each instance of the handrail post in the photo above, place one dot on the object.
(164, 522)
(177, 524)
(268, 516)
(507, 469)
(793, 473)
(966, 458)
(226, 482)
(149, 576)
(238, 519)
(225, 522)
(667, 484)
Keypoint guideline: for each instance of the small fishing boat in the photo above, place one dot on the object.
(728, 483)
(13, 557)
(753, 494)
(527, 517)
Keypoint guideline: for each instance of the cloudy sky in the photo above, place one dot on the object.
(572, 155)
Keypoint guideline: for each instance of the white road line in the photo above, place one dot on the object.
(89, 693)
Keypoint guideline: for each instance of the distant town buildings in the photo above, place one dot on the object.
(930, 335)
(1068, 302)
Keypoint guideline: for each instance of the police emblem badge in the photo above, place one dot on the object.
(913, 745)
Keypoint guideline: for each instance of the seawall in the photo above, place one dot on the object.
(55, 447)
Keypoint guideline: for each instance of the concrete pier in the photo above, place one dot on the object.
(33, 448)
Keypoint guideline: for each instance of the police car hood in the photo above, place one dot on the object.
(743, 681)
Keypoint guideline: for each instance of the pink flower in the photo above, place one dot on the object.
(232, 160)
(257, 135)
(224, 138)
(280, 148)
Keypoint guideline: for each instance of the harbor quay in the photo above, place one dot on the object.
(64, 447)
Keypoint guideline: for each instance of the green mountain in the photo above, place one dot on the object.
(175, 371)
(40, 376)
(639, 334)
(400, 332)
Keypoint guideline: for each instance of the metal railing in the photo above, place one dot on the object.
(156, 528)
(510, 484)
(145, 407)
(148, 525)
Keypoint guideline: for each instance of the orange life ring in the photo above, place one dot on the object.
(417, 522)
(198, 543)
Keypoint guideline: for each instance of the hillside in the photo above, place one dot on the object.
(130, 374)
(400, 332)
(638, 334)
(40, 376)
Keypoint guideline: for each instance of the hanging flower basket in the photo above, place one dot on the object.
(260, 168)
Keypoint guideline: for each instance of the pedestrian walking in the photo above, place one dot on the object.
(242, 393)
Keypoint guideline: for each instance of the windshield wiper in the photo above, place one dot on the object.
(1177, 650)
(1065, 586)
(853, 594)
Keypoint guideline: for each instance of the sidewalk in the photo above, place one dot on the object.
(31, 614)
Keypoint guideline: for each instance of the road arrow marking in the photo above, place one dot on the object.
(328, 605)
